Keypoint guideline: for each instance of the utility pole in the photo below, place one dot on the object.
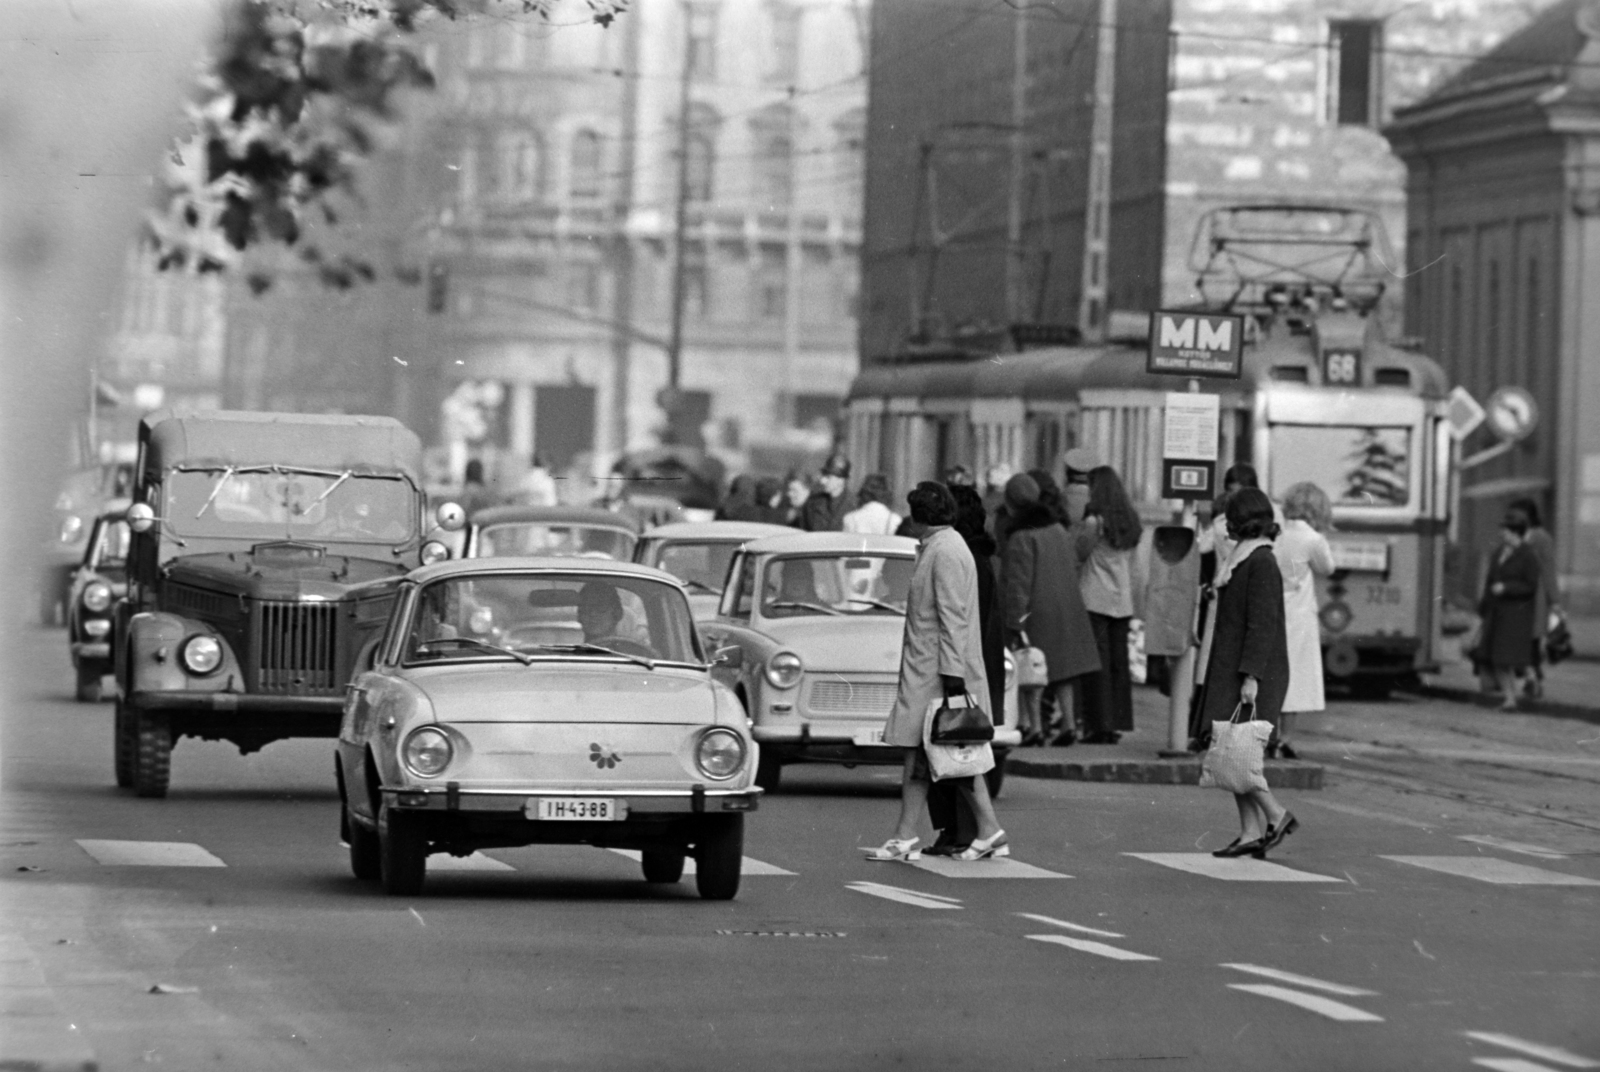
(1019, 118)
(1097, 200)
(793, 261)
(669, 397)
(622, 242)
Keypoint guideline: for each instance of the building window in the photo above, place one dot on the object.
(774, 157)
(784, 61)
(516, 171)
(701, 145)
(586, 157)
(771, 287)
(1531, 312)
(480, 43)
(696, 286)
(583, 285)
(701, 45)
(849, 150)
(1492, 332)
(816, 411)
(512, 54)
(1354, 76)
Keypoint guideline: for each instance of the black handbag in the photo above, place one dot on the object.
(964, 724)
(1558, 641)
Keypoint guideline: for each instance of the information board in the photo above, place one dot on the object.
(1189, 445)
(1196, 344)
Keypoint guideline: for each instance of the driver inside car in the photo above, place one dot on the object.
(796, 583)
(600, 615)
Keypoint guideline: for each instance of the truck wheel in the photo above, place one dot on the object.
(365, 860)
(88, 690)
(718, 857)
(995, 777)
(126, 743)
(769, 772)
(662, 866)
(152, 764)
(402, 853)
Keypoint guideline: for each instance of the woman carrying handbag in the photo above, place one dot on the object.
(1248, 669)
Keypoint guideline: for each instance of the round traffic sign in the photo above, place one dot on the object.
(1512, 413)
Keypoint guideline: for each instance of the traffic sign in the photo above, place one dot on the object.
(1463, 413)
(1187, 480)
(1196, 344)
(1512, 414)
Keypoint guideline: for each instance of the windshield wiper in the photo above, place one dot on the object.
(474, 642)
(346, 475)
(880, 604)
(600, 649)
(703, 586)
(835, 611)
(227, 475)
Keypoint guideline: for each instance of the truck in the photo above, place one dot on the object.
(265, 554)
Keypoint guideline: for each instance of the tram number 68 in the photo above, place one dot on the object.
(1341, 366)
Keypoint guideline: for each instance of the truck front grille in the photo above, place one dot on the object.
(298, 649)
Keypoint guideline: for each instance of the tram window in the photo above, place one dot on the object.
(1356, 466)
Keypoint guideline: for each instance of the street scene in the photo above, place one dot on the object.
(817, 534)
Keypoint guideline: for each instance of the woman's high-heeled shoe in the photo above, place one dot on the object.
(1227, 850)
(1275, 834)
(981, 849)
(895, 849)
(1243, 848)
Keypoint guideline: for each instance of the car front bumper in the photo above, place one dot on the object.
(244, 703)
(693, 801)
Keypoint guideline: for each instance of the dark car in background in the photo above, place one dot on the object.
(266, 553)
(84, 495)
(99, 582)
(558, 531)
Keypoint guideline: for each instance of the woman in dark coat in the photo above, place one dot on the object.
(1250, 655)
(1508, 606)
(740, 505)
(1040, 596)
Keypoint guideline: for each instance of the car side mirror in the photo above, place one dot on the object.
(141, 517)
(731, 656)
(451, 517)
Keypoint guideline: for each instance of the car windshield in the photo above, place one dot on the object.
(112, 551)
(564, 540)
(853, 584)
(701, 566)
(555, 615)
(1355, 466)
(290, 504)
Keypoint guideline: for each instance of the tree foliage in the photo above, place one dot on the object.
(295, 97)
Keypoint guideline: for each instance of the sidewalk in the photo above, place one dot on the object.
(1571, 689)
(1135, 759)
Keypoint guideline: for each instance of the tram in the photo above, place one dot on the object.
(1324, 396)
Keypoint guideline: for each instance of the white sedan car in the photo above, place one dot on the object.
(698, 553)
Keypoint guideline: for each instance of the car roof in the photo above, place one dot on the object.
(831, 543)
(716, 530)
(361, 444)
(462, 567)
(593, 516)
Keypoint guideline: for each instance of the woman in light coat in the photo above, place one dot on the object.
(941, 654)
(872, 517)
(1303, 555)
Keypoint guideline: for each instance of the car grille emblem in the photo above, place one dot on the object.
(603, 757)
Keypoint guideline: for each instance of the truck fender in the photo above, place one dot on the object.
(151, 657)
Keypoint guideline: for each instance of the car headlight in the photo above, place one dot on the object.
(428, 751)
(96, 596)
(71, 526)
(202, 654)
(719, 754)
(434, 551)
(784, 670)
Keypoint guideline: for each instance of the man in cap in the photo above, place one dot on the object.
(825, 510)
(1078, 462)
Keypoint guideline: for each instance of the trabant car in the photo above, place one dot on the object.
(698, 553)
(99, 581)
(809, 628)
(547, 531)
(526, 701)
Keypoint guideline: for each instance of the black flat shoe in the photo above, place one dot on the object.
(1243, 848)
(1276, 834)
(1227, 850)
(1287, 752)
(1063, 739)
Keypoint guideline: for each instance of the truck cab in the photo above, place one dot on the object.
(265, 555)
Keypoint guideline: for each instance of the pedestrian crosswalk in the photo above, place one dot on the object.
(1554, 1055)
(148, 853)
(750, 867)
(1235, 869)
(1493, 870)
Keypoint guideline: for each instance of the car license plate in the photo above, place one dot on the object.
(869, 737)
(585, 809)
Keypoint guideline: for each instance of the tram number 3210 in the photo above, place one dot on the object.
(1385, 595)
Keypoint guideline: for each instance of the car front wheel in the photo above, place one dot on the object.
(769, 772)
(662, 866)
(402, 853)
(365, 861)
(718, 857)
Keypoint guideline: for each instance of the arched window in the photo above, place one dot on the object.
(585, 181)
(516, 167)
(701, 147)
(774, 156)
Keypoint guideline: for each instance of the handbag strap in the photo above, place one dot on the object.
(1239, 707)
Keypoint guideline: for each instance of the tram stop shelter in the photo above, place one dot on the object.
(1503, 262)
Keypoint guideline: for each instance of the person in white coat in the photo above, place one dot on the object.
(1303, 555)
(941, 654)
(872, 516)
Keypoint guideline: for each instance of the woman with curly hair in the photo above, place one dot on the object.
(1110, 533)
(1303, 556)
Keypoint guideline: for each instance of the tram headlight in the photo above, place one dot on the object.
(1336, 617)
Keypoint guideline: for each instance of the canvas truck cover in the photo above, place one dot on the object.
(361, 444)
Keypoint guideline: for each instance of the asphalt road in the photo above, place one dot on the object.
(1381, 938)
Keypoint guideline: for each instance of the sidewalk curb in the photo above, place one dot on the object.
(1281, 774)
(1554, 708)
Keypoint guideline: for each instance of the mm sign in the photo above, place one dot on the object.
(1196, 344)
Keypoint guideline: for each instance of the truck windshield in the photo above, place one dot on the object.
(1355, 466)
(290, 504)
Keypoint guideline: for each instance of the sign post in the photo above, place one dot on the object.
(1191, 344)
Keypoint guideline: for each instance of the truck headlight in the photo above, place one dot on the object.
(201, 654)
(428, 751)
(719, 754)
(784, 670)
(434, 551)
(96, 596)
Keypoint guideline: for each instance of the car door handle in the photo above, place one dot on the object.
(387, 723)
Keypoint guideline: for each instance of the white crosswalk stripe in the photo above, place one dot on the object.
(1513, 846)
(1237, 869)
(1084, 945)
(1553, 1054)
(903, 896)
(148, 853)
(1511, 1064)
(1005, 867)
(1496, 871)
(1302, 980)
(1080, 928)
(751, 866)
(1333, 1010)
